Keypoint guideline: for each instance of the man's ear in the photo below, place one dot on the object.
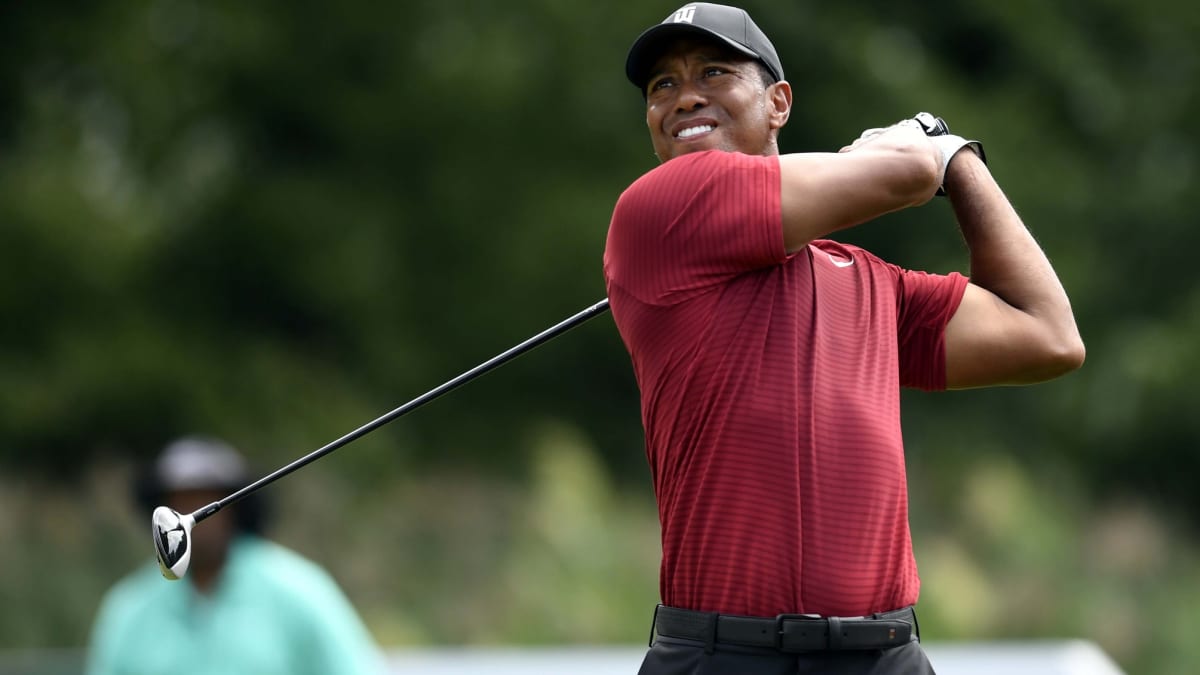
(779, 96)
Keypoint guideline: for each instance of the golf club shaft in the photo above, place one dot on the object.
(499, 359)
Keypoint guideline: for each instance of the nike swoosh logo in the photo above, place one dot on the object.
(840, 263)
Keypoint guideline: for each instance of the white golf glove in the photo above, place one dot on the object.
(949, 144)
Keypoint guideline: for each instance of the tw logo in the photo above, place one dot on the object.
(683, 15)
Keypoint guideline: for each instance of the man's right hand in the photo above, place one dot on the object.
(906, 126)
(884, 170)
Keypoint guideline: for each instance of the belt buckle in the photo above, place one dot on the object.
(780, 618)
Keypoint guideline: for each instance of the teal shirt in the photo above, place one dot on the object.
(272, 612)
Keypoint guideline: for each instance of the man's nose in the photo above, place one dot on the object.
(690, 97)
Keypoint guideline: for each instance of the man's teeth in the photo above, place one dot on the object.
(692, 131)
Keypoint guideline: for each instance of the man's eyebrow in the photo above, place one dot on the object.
(718, 55)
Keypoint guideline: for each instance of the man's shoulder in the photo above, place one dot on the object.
(261, 553)
(271, 567)
(676, 183)
(141, 590)
(698, 164)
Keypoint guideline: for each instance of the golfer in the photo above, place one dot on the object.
(770, 359)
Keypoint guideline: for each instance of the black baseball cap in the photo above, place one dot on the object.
(731, 25)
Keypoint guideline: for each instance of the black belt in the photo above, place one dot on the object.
(789, 632)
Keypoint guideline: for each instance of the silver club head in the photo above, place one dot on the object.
(172, 541)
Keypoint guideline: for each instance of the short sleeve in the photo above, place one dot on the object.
(694, 222)
(927, 302)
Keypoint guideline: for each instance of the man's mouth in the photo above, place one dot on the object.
(689, 132)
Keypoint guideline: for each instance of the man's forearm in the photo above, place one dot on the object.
(1005, 258)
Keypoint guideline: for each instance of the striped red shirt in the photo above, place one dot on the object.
(770, 392)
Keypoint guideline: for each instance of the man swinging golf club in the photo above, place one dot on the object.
(770, 359)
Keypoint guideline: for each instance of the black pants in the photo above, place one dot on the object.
(679, 656)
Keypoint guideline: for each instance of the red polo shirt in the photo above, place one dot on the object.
(770, 391)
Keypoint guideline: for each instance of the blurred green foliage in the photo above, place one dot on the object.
(276, 221)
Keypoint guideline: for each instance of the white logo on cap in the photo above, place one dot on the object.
(684, 15)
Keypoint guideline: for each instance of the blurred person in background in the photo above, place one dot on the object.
(247, 605)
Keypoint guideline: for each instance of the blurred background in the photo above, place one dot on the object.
(273, 222)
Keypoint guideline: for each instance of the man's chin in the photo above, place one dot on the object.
(681, 149)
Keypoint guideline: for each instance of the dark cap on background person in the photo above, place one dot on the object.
(730, 25)
(199, 463)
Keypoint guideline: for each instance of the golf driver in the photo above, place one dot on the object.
(172, 530)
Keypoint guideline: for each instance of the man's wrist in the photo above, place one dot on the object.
(961, 165)
(948, 144)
